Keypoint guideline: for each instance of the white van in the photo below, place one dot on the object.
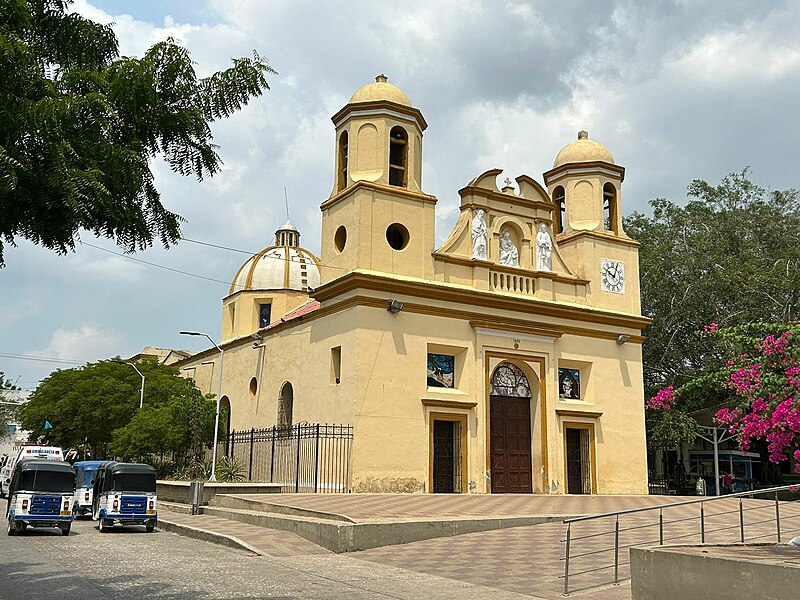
(25, 453)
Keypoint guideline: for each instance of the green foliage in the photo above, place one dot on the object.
(730, 256)
(99, 403)
(7, 411)
(670, 428)
(229, 469)
(197, 470)
(79, 125)
(164, 468)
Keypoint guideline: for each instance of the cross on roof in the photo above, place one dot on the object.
(508, 181)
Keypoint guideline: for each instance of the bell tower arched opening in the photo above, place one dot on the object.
(398, 157)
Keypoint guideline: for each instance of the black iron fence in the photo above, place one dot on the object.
(306, 457)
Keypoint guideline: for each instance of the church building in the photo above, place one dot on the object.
(508, 359)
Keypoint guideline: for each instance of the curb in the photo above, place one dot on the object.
(207, 536)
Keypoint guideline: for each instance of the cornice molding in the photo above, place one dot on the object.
(379, 108)
(376, 187)
(358, 280)
(597, 235)
(439, 403)
(584, 168)
(572, 412)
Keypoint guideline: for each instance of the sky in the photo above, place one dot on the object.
(677, 90)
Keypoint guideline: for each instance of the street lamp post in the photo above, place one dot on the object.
(219, 395)
(141, 392)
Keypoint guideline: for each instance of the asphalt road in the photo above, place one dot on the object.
(129, 563)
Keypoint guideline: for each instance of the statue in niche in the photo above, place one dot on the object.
(544, 249)
(479, 235)
(509, 255)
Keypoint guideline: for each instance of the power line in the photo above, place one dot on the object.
(31, 357)
(218, 246)
(152, 264)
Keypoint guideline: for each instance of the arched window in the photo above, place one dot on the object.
(285, 402)
(609, 207)
(559, 198)
(509, 380)
(343, 160)
(398, 155)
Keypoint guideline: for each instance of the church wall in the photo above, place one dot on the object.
(393, 403)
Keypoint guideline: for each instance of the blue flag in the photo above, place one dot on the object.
(47, 425)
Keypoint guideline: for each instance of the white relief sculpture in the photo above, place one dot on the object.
(509, 255)
(479, 236)
(544, 249)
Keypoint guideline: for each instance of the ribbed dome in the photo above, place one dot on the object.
(380, 90)
(583, 150)
(284, 266)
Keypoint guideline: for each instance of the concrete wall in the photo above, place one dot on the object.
(665, 574)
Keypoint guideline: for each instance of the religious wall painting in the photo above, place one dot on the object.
(441, 370)
(569, 384)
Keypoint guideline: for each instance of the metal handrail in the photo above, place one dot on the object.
(702, 501)
(791, 488)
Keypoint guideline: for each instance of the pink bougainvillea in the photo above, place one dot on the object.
(769, 390)
(663, 400)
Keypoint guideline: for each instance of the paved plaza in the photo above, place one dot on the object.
(520, 560)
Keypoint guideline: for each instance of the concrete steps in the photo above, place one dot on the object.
(339, 533)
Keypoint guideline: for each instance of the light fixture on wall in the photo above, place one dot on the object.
(395, 306)
(622, 338)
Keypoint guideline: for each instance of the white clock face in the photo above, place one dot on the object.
(612, 276)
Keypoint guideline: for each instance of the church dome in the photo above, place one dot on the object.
(583, 150)
(380, 90)
(284, 266)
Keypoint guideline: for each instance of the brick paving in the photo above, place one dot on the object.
(270, 542)
(388, 507)
(524, 560)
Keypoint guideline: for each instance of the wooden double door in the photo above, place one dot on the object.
(510, 444)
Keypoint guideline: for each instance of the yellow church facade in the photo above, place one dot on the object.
(506, 360)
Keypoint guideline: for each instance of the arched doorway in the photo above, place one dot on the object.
(510, 430)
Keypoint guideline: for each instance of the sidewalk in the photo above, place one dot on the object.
(251, 538)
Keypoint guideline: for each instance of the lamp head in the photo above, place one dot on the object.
(622, 338)
(395, 306)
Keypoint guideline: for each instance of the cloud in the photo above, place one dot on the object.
(87, 342)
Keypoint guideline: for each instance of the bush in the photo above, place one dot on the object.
(229, 469)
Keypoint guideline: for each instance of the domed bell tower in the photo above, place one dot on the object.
(377, 217)
(586, 187)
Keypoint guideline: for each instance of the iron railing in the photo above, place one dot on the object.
(305, 457)
(718, 519)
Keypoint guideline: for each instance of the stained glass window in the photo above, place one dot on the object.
(509, 380)
(264, 313)
(569, 384)
(441, 370)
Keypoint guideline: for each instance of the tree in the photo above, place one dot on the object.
(184, 423)
(79, 125)
(8, 401)
(730, 256)
(760, 378)
(93, 403)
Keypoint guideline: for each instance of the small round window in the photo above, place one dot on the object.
(340, 239)
(397, 236)
(253, 387)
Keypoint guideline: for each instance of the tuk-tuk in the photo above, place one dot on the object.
(85, 472)
(125, 493)
(40, 495)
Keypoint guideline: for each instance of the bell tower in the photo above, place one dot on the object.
(377, 216)
(586, 187)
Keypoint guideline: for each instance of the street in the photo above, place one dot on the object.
(128, 563)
